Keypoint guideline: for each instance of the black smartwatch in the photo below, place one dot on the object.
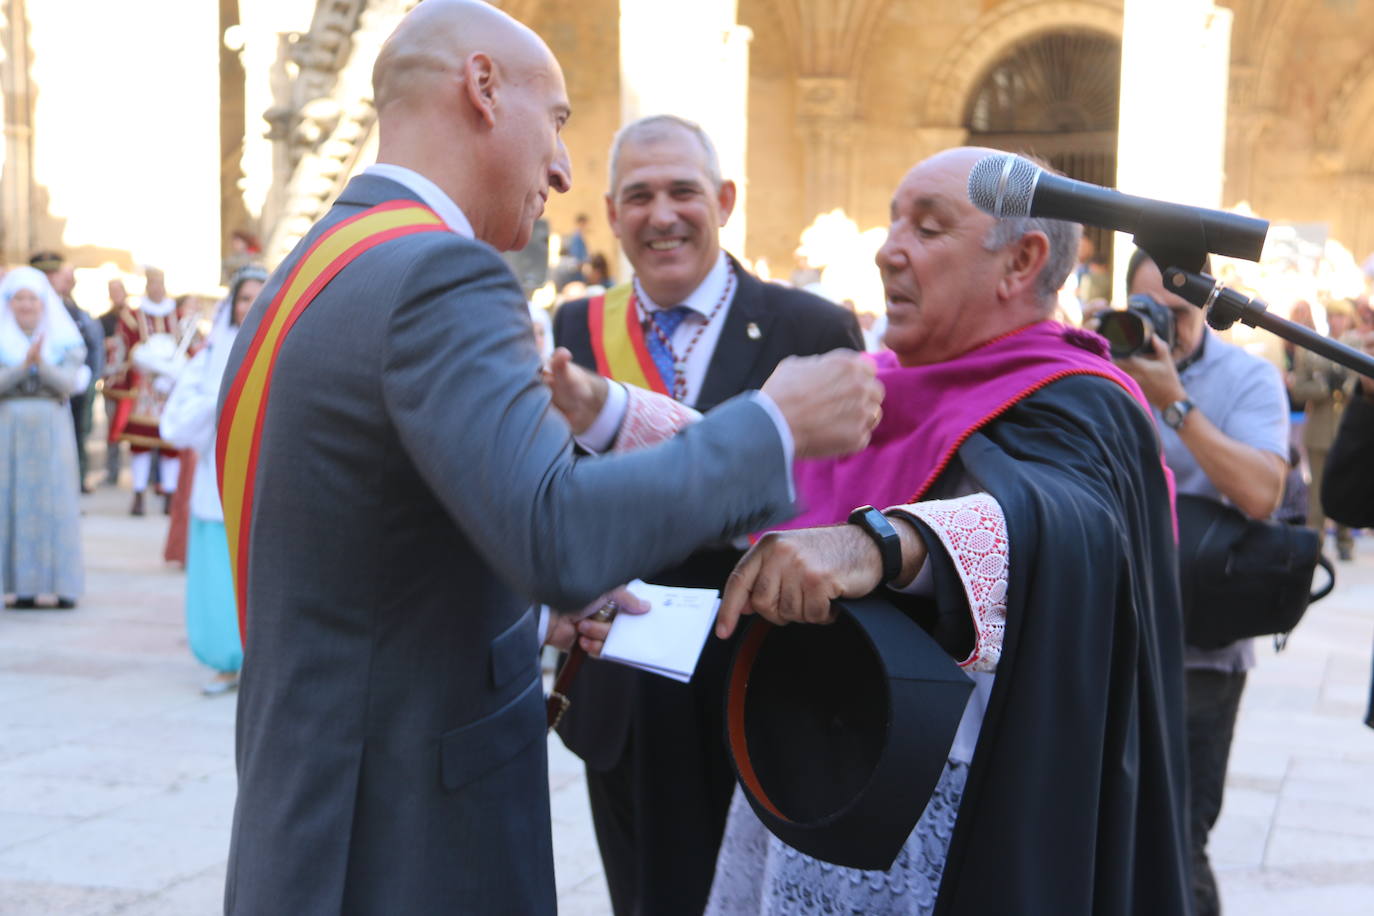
(876, 526)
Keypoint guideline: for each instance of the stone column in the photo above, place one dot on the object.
(697, 67)
(1175, 58)
(16, 181)
(825, 124)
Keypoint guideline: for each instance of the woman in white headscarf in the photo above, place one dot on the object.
(42, 364)
(188, 421)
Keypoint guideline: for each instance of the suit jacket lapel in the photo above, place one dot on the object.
(737, 352)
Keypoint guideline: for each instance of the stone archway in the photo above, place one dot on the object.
(1345, 154)
(1056, 96)
(996, 31)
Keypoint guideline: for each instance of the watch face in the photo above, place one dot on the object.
(1175, 413)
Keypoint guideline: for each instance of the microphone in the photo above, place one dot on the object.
(1006, 185)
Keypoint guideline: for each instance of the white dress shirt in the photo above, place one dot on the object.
(428, 192)
(702, 301)
(598, 437)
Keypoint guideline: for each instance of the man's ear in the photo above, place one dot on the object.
(479, 83)
(1025, 260)
(726, 198)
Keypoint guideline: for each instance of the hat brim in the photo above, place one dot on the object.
(839, 733)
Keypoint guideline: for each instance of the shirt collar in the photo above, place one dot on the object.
(702, 299)
(428, 192)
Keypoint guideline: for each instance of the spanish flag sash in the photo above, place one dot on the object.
(245, 406)
(618, 341)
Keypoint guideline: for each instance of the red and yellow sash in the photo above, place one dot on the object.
(618, 341)
(245, 407)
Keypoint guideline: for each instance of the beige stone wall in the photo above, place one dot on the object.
(775, 174)
(1302, 136)
(910, 67)
(585, 38)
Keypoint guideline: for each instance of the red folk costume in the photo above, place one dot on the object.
(140, 401)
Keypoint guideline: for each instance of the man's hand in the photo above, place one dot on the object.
(1156, 376)
(830, 402)
(584, 626)
(577, 393)
(792, 576)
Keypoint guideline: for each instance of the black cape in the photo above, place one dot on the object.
(1076, 794)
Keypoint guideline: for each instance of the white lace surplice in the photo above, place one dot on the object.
(756, 873)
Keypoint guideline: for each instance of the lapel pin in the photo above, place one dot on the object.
(753, 331)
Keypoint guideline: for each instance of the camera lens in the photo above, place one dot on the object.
(1126, 333)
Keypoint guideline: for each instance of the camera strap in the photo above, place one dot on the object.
(1187, 361)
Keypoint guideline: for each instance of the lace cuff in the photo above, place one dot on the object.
(974, 531)
(651, 417)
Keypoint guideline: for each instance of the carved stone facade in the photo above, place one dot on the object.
(843, 96)
(323, 120)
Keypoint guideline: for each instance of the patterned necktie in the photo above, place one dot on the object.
(667, 321)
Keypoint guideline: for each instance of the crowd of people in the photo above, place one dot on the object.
(393, 480)
(147, 359)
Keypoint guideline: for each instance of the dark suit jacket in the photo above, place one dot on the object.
(415, 493)
(790, 323)
(1348, 484)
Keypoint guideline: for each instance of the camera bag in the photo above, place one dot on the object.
(1240, 577)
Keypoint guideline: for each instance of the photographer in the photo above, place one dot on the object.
(1347, 489)
(1223, 421)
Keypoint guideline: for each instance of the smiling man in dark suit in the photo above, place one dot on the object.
(397, 489)
(694, 324)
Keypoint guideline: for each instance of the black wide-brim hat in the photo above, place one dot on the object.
(839, 733)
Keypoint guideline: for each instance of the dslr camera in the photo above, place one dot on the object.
(1131, 331)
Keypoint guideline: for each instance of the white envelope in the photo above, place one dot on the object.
(668, 639)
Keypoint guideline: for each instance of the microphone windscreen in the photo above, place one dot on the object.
(1003, 185)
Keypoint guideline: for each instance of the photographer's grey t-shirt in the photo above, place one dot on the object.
(1244, 397)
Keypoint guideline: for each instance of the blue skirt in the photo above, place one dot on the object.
(212, 621)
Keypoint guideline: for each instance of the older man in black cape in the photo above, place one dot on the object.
(1035, 519)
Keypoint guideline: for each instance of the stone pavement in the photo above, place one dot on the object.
(117, 778)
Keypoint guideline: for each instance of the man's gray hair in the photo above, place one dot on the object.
(656, 127)
(1063, 237)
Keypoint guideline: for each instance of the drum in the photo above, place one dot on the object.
(160, 354)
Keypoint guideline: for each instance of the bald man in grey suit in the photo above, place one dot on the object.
(415, 491)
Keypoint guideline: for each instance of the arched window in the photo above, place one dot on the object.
(1055, 96)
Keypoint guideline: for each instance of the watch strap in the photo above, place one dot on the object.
(884, 534)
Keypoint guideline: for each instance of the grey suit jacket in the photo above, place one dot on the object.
(415, 492)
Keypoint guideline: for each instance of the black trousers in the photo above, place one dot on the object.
(1213, 702)
(81, 424)
(660, 811)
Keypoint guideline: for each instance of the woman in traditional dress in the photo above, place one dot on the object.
(42, 364)
(188, 422)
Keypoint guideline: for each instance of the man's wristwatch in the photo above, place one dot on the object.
(1175, 413)
(876, 526)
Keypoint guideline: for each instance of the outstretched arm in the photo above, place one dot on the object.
(461, 384)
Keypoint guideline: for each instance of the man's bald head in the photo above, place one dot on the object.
(475, 102)
(435, 39)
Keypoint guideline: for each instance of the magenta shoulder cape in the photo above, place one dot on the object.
(930, 411)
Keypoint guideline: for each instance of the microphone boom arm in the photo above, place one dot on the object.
(1224, 307)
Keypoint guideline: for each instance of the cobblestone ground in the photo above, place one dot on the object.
(117, 779)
